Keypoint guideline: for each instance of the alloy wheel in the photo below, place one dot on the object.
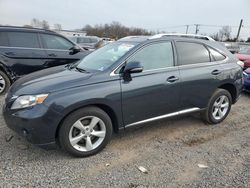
(2, 84)
(220, 107)
(87, 133)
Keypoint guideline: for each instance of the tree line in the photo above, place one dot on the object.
(114, 30)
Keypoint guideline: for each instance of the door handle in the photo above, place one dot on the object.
(215, 72)
(52, 55)
(172, 79)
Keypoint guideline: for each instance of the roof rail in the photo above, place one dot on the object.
(181, 35)
(24, 27)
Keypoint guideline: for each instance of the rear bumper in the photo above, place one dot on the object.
(37, 124)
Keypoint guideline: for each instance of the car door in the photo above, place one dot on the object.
(23, 51)
(155, 91)
(57, 49)
(200, 73)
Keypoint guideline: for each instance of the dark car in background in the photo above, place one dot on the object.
(121, 85)
(25, 50)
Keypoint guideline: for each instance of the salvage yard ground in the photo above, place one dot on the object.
(170, 150)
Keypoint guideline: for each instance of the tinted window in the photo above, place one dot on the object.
(56, 42)
(22, 39)
(191, 53)
(217, 56)
(3, 39)
(155, 56)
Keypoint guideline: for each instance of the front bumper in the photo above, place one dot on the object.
(37, 124)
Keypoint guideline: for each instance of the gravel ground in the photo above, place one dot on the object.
(169, 149)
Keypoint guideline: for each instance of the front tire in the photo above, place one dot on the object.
(219, 107)
(85, 132)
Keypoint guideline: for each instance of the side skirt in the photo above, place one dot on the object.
(163, 116)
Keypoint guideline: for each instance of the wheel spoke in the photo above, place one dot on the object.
(76, 139)
(220, 113)
(89, 145)
(215, 112)
(100, 134)
(2, 81)
(93, 122)
(225, 105)
(79, 125)
(222, 98)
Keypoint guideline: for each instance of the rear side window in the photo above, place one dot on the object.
(23, 39)
(55, 42)
(191, 53)
(3, 39)
(217, 56)
(155, 56)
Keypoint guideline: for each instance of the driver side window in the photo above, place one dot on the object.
(155, 56)
(56, 42)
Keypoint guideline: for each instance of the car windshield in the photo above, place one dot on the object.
(104, 57)
(245, 50)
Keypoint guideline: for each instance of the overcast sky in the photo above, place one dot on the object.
(166, 15)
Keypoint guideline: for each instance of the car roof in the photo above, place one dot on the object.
(26, 29)
(142, 38)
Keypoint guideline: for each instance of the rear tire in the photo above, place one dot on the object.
(85, 132)
(4, 83)
(218, 107)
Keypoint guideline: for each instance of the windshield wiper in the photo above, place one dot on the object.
(81, 70)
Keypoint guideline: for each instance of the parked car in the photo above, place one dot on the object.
(90, 43)
(247, 80)
(121, 85)
(244, 55)
(25, 50)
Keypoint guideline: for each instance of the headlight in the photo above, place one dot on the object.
(28, 101)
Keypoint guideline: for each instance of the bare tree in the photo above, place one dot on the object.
(114, 30)
(225, 33)
(58, 27)
(36, 23)
(45, 24)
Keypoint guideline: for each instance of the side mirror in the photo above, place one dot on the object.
(74, 50)
(133, 67)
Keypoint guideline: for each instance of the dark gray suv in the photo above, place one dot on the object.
(126, 83)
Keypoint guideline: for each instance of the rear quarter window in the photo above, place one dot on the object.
(216, 56)
(192, 53)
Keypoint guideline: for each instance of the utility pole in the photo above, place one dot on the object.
(187, 29)
(240, 26)
(196, 28)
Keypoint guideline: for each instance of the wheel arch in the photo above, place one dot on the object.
(106, 108)
(231, 89)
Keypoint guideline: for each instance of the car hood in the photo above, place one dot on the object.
(49, 80)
